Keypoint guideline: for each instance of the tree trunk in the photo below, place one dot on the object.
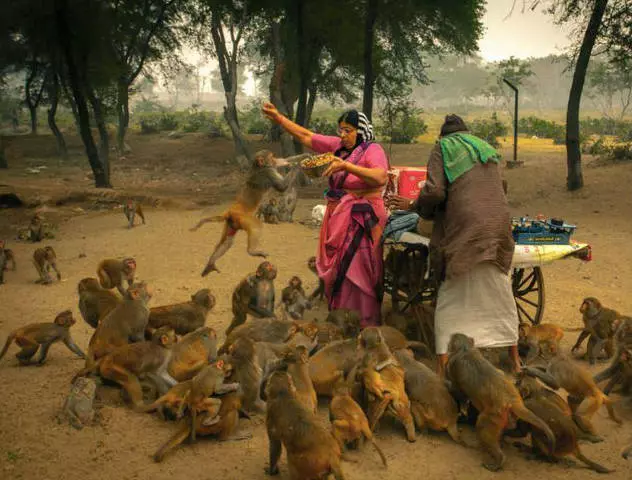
(104, 143)
(122, 109)
(575, 179)
(53, 94)
(33, 114)
(313, 92)
(3, 158)
(369, 76)
(101, 176)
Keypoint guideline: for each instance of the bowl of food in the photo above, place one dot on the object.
(316, 165)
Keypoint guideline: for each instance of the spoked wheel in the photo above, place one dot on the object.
(528, 290)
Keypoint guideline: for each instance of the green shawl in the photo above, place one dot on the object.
(461, 151)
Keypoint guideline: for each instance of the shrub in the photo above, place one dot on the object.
(598, 147)
(489, 130)
(191, 120)
(540, 128)
(252, 121)
(323, 126)
(401, 122)
(621, 152)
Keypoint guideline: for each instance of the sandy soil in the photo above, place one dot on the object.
(34, 445)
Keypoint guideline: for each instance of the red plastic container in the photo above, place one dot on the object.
(410, 181)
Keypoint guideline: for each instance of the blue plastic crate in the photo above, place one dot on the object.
(528, 231)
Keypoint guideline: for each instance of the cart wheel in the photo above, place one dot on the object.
(528, 290)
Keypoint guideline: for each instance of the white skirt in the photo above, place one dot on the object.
(479, 304)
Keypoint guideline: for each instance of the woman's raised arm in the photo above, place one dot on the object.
(300, 133)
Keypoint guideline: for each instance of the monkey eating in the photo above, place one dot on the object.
(131, 208)
(541, 339)
(599, 324)
(184, 317)
(44, 259)
(269, 212)
(312, 450)
(294, 300)
(112, 272)
(95, 302)
(6, 256)
(492, 394)
(40, 336)
(254, 295)
(319, 293)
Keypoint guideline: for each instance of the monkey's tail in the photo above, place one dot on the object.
(87, 370)
(420, 348)
(594, 466)
(379, 451)
(10, 338)
(523, 413)
(179, 437)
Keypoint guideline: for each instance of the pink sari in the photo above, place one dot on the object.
(349, 258)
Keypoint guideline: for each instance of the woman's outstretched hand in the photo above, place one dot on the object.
(335, 166)
(270, 111)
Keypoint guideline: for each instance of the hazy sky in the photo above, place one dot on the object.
(528, 34)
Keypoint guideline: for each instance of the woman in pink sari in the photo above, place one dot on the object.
(349, 258)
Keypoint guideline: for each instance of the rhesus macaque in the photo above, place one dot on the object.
(40, 336)
(541, 339)
(174, 400)
(559, 421)
(126, 322)
(78, 408)
(619, 371)
(44, 259)
(126, 363)
(112, 272)
(184, 317)
(294, 299)
(248, 373)
(349, 424)
(584, 396)
(600, 324)
(254, 295)
(382, 367)
(492, 394)
(222, 425)
(297, 361)
(263, 330)
(319, 293)
(36, 229)
(6, 256)
(193, 352)
(332, 363)
(131, 208)
(95, 302)
(241, 214)
(348, 320)
(432, 405)
(270, 212)
(312, 450)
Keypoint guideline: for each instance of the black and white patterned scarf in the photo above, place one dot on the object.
(360, 121)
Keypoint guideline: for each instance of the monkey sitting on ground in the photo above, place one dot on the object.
(183, 317)
(36, 229)
(492, 394)
(584, 396)
(6, 256)
(112, 272)
(270, 212)
(44, 259)
(173, 401)
(542, 339)
(131, 208)
(41, 336)
(294, 300)
(319, 293)
(349, 424)
(95, 302)
(559, 421)
(192, 353)
(78, 408)
(248, 373)
(600, 324)
(254, 295)
(241, 215)
(312, 450)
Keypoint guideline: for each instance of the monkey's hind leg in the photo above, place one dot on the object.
(29, 349)
(126, 379)
(253, 227)
(489, 430)
(224, 244)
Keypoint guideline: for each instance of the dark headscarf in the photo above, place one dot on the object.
(453, 123)
(360, 121)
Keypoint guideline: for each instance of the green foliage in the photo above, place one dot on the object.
(622, 152)
(540, 127)
(489, 130)
(252, 121)
(401, 122)
(324, 126)
(598, 147)
(188, 121)
(606, 126)
(148, 105)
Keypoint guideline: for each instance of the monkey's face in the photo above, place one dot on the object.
(370, 337)
(166, 336)
(295, 283)
(65, 319)
(280, 383)
(130, 266)
(311, 264)
(460, 343)
(266, 270)
(590, 306)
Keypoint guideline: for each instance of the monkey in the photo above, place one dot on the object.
(44, 259)
(254, 295)
(40, 336)
(558, 420)
(312, 450)
(78, 407)
(223, 425)
(6, 256)
(599, 324)
(173, 400)
(264, 330)
(132, 208)
(319, 293)
(432, 405)
(112, 272)
(348, 320)
(348, 421)
(36, 229)
(95, 302)
(270, 212)
(619, 371)
(332, 363)
(126, 322)
(126, 363)
(327, 333)
(584, 396)
(532, 339)
(492, 394)
(241, 214)
(294, 299)
(184, 317)
(248, 373)
(193, 352)
(297, 362)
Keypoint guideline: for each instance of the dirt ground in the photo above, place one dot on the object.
(34, 445)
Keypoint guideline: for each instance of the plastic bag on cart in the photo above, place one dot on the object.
(533, 255)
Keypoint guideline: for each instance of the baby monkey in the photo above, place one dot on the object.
(241, 215)
(131, 209)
